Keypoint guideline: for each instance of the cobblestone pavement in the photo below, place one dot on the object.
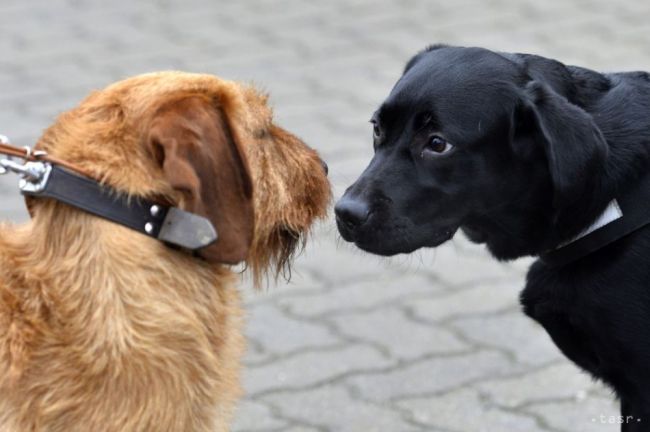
(430, 342)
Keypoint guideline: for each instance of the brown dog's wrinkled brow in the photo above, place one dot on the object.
(201, 161)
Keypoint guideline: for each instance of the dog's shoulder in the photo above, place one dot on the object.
(17, 304)
(6, 293)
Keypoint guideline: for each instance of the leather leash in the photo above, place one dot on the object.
(27, 154)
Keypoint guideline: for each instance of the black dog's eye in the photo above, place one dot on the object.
(436, 146)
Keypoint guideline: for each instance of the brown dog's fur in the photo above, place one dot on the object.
(105, 329)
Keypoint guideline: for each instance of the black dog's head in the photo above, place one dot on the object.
(495, 144)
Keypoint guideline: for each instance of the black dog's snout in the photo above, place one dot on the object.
(351, 212)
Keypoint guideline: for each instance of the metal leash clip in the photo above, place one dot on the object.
(3, 140)
(34, 175)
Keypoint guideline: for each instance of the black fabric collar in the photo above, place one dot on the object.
(634, 205)
(168, 224)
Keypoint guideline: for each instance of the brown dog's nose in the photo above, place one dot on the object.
(325, 167)
(351, 212)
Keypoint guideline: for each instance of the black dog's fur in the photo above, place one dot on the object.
(539, 150)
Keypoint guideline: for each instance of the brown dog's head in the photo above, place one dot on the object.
(208, 146)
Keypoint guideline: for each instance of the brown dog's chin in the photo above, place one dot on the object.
(213, 254)
(291, 242)
(273, 255)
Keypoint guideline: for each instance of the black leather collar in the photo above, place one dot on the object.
(634, 205)
(168, 224)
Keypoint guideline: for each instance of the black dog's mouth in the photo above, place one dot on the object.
(443, 236)
(397, 241)
(473, 234)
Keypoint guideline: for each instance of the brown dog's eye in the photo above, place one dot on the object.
(436, 146)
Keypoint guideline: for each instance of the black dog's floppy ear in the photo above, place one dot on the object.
(575, 147)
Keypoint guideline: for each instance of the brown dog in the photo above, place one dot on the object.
(105, 329)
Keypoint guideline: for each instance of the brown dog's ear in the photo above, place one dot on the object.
(203, 162)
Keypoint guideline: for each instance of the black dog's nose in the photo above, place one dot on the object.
(351, 212)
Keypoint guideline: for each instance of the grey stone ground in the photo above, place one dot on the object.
(431, 342)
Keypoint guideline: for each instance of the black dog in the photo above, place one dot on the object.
(530, 157)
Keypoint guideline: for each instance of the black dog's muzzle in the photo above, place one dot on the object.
(351, 213)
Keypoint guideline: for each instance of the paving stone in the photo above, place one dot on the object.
(254, 416)
(287, 335)
(587, 415)
(466, 410)
(328, 65)
(362, 295)
(445, 261)
(478, 300)
(301, 282)
(430, 376)
(312, 368)
(336, 262)
(300, 429)
(558, 381)
(526, 340)
(256, 353)
(333, 408)
(400, 337)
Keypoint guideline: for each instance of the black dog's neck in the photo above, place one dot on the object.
(629, 212)
(542, 232)
(626, 163)
(584, 211)
(564, 241)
